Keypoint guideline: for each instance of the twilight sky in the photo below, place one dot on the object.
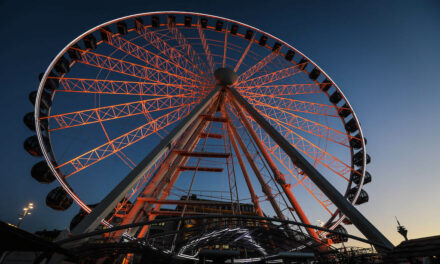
(383, 54)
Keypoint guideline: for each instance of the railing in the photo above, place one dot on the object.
(254, 237)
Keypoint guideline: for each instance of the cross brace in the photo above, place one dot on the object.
(194, 168)
(360, 221)
(92, 220)
(203, 154)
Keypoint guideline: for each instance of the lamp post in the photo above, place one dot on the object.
(26, 211)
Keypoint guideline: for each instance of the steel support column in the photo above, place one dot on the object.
(172, 173)
(266, 189)
(167, 168)
(92, 220)
(245, 173)
(153, 188)
(278, 176)
(362, 223)
(162, 191)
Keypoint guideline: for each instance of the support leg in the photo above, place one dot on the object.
(278, 176)
(326, 187)
(172, 174)
(92, 220)
(264, 185)
(245, 173)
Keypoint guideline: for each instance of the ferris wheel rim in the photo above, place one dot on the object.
(50, 157)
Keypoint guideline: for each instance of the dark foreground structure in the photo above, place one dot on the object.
(222, 246)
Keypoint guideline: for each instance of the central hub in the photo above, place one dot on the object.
(225, 76)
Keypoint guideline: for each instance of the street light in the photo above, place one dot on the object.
(26, 211)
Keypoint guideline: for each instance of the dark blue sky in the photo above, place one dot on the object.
(383, 54)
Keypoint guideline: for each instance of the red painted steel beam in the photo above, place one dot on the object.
(105, 150)
(268, 78)
(215, 118)
(292, 104)
(112, 112)
(243, 55)
(194, 168)
(92, 220)
(189, 50)
(279, 177)
(175, 213)
(257, 67)
(209, 58)
(182, 202)
(203, 154)
(169, 169)
(149, 57)
(169, 165)
(254, 197)
(210, 135)
(170, 175)
(266, 188)
(100, 86)
(283, 89)
(360, 221)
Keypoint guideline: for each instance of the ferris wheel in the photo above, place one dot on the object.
(119, 91)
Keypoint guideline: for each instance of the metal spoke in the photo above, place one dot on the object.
(283, 89)
(225, 47)
(150, 58)
(257, 67)
(97, 86)
(305, 181)
(285, 161)
(171, 52)
(105, 150)
(288, 119)
(243, 55)
(288, 104)
(268, 78)
(189, 51)
(106, 113)
(205, 45)
(132, 69)
(315, 152)
(311, 150)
